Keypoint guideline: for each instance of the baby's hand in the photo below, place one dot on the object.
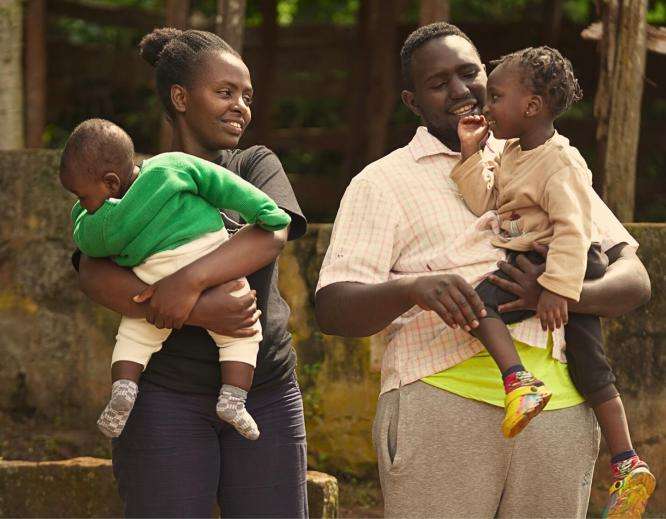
(552, 310)
(472, 129)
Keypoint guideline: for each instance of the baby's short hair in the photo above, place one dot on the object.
(97, 146)
(547, 73)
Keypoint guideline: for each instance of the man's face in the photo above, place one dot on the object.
(449, 82)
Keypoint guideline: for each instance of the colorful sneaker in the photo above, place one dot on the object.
(628, 496)
(521, 405)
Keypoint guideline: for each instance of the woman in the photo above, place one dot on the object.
(175, 457)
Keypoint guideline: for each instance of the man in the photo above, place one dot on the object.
(402, 246)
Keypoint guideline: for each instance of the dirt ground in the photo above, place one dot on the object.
(360, 499)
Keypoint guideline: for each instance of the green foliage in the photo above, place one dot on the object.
(578, 11)
(79, 32)
(298, 112)
(305, 12)
(580, 111)
(657, 12)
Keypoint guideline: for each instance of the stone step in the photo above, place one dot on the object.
(84, 487)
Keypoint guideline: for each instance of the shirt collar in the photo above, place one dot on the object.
(424, 144)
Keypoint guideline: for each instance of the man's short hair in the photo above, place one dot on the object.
(97, 146)
(420, 37)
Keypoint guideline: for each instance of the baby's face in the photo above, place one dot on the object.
(91, 192)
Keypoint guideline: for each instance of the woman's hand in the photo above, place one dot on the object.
(170, 300)
(222, 312)
(524, 281)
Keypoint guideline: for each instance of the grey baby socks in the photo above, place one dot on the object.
(115, 414)
(231, 408)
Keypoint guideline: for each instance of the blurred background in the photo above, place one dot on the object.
(327, 83)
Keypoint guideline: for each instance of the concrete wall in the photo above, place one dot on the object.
(56, 345)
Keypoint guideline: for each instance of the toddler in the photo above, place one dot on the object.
(539, 187)
(157, 218)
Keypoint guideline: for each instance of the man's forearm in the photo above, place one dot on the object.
(624, 287)
(358, 309)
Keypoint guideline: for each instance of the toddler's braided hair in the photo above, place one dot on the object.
(175, 55)
(548, 74)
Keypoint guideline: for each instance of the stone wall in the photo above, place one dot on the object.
(86, 488)
(56, 345)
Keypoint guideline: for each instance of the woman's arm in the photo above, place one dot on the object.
(624, 287)
(114, 287)
(249, 249)
(173, 297)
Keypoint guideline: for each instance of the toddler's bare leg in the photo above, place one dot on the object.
(495, 336)
(613, 423)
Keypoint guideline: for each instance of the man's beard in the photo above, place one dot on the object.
(447, 136)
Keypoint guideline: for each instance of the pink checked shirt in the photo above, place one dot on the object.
(403, 216)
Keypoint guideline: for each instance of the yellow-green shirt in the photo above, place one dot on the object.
(479, 378)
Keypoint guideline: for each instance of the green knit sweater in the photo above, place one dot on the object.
(175, 199)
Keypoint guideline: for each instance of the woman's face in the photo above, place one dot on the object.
(218, 101)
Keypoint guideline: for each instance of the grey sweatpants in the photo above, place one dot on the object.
(441, 455)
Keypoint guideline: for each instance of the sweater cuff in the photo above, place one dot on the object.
(463, 167)
(547, 282)
(273, 220)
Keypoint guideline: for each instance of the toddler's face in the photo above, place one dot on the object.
(506, 102)
(91, 192)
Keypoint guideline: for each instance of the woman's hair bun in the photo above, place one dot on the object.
(152, 44)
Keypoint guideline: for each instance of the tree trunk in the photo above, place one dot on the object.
(617, 105)
(11, 75)
(265, 74)
(176, 13)
(35, 72)
(374, 80)
(553, 11)
(230, 22)
(431, 11)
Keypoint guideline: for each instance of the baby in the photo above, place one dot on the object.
(157, 218)
(539, 187)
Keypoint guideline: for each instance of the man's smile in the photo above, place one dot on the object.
(469, 107)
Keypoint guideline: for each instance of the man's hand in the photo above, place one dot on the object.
(451, 297)
(472, 129)
(552, 310)
(523, 282)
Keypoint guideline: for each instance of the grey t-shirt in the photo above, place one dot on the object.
(188, 361)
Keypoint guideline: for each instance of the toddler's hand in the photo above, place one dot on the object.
(472, 129)
(552, 310)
